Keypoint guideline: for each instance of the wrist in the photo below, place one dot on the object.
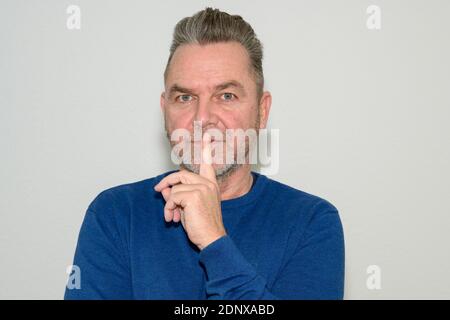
(211, 240)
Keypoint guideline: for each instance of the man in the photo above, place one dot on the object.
(211, 230)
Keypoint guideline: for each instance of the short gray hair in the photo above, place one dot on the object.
(212, 26)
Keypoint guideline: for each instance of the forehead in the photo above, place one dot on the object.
(197, 65)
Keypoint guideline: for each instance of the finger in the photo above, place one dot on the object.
(168, 214)
(174, 214)
(169, 209)
(177, 215)
(182, 176)
(188, 187)
(166, 193)
(179, 199)
(206, 169)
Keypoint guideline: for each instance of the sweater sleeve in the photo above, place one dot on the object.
(314, 271)
(100, 256)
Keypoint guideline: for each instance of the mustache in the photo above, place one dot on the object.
(194, 136)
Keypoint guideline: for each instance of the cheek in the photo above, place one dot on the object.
(175, 120)
(242, 119)
(231, 120)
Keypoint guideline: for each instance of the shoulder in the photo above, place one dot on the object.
(304, 211)
(295, 198)
(124, 197)
(313, 220)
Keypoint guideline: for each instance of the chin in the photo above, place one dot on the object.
(222, 170)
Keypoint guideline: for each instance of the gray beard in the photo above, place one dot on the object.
(221, 173)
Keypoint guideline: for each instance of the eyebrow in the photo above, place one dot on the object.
(232, 83)
(222, 86)
(176, 88)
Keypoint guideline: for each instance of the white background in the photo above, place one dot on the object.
(363, 118)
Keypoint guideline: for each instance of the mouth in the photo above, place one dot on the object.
(212, 140)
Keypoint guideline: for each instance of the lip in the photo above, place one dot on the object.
(212, 140)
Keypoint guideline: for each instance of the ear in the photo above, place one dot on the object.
(162, 101)
(264, 108)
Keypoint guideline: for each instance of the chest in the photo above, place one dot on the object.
(164, 263)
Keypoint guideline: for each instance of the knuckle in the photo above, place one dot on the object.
(197, 194)
(210, 185)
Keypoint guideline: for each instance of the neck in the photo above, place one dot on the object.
(237, 183)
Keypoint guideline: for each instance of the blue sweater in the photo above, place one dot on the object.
(281, 243)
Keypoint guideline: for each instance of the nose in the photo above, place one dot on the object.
(204, 112)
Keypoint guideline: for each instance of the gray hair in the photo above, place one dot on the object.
(212, 26)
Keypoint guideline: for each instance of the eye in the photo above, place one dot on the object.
(184, 98)
(228, 96)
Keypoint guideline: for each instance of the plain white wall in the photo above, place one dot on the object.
(363, 118)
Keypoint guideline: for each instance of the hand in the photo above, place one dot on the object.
(195, 200)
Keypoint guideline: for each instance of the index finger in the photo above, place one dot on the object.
(206, 168)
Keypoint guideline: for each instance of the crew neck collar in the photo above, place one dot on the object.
(249, 197)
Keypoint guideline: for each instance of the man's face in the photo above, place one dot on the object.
(213, 84)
